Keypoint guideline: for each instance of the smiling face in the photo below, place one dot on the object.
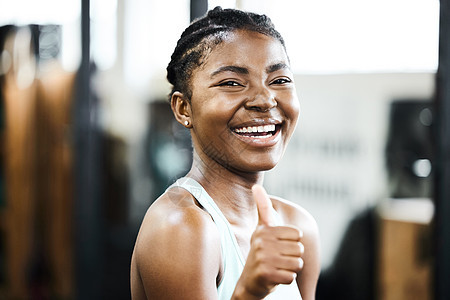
(244, 106)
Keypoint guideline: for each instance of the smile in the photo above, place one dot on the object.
(258, 132)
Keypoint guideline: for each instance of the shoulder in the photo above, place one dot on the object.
(175, 218)
(178, 244)
(295, 215)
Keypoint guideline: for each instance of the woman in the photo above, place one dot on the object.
(215, 234)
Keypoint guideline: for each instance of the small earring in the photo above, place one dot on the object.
(186, 123)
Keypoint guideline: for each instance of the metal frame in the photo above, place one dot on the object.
(88, 221)
(442, 166)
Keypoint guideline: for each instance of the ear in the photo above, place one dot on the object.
(181, 109)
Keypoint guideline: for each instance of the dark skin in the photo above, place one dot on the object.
(244, 82)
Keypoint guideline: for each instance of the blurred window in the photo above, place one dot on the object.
(152, 29)
(104, 32)
(351, 36)
(66, 13)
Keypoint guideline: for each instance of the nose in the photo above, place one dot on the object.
(264, 100)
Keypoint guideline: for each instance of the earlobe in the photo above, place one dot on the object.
(181, 109)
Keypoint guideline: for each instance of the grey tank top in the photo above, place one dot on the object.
(232, 259)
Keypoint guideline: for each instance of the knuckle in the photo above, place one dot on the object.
(301, 248)
(301, 263)
(264, 273)
(258, 243)
(260, 257)
(300, 233)
(294, 232)
(287, 278)
(261, 231)
(297, 265)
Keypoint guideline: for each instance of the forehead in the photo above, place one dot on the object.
(245, 48)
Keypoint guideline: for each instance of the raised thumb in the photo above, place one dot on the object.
(264, 205)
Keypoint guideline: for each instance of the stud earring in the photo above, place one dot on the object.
(186, 123)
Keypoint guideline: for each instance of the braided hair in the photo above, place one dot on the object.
(202, 35)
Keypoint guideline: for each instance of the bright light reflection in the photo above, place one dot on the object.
(422, 168)
(65, 13)
(151, 33)
(104, 32)
(23, 12)
(222, 3)
(356, 36)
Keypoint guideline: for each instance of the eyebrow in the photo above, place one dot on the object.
(242, 70)
(276, 67)
(235, 69)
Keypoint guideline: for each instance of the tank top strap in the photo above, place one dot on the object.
(200, 194)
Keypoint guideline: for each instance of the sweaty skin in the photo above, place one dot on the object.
(245, 82)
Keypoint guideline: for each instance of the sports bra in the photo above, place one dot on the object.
(232, 259)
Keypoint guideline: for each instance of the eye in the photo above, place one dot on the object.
(229, 83)
(282, 80)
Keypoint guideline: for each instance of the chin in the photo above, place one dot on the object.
(267, 166)
(259, 166)
(251, 161)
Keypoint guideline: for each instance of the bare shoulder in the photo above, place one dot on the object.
(294, 214)
(177, 249)
(175, 210)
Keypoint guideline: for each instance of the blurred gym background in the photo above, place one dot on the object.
(88, 141)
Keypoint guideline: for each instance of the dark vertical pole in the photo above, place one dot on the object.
(198, 8)
(87, 213)
(442, 187)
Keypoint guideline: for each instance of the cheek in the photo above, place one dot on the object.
(292, 112)
(209, 121)
(216, 111)
(295, 108)
(292, 109)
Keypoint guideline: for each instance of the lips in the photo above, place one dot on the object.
(264, 134)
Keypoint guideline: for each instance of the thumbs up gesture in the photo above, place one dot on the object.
(275, 252)
(264, 205)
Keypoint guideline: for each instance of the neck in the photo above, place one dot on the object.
(230, 189)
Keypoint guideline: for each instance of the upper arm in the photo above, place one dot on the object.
(308, 277)
(177, 255)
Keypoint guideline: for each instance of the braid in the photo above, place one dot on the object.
(203, 35)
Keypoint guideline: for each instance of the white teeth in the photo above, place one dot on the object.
(250, 129)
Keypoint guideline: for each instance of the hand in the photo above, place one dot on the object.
(275, 252)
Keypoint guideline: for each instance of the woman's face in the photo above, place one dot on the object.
(244, 105)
